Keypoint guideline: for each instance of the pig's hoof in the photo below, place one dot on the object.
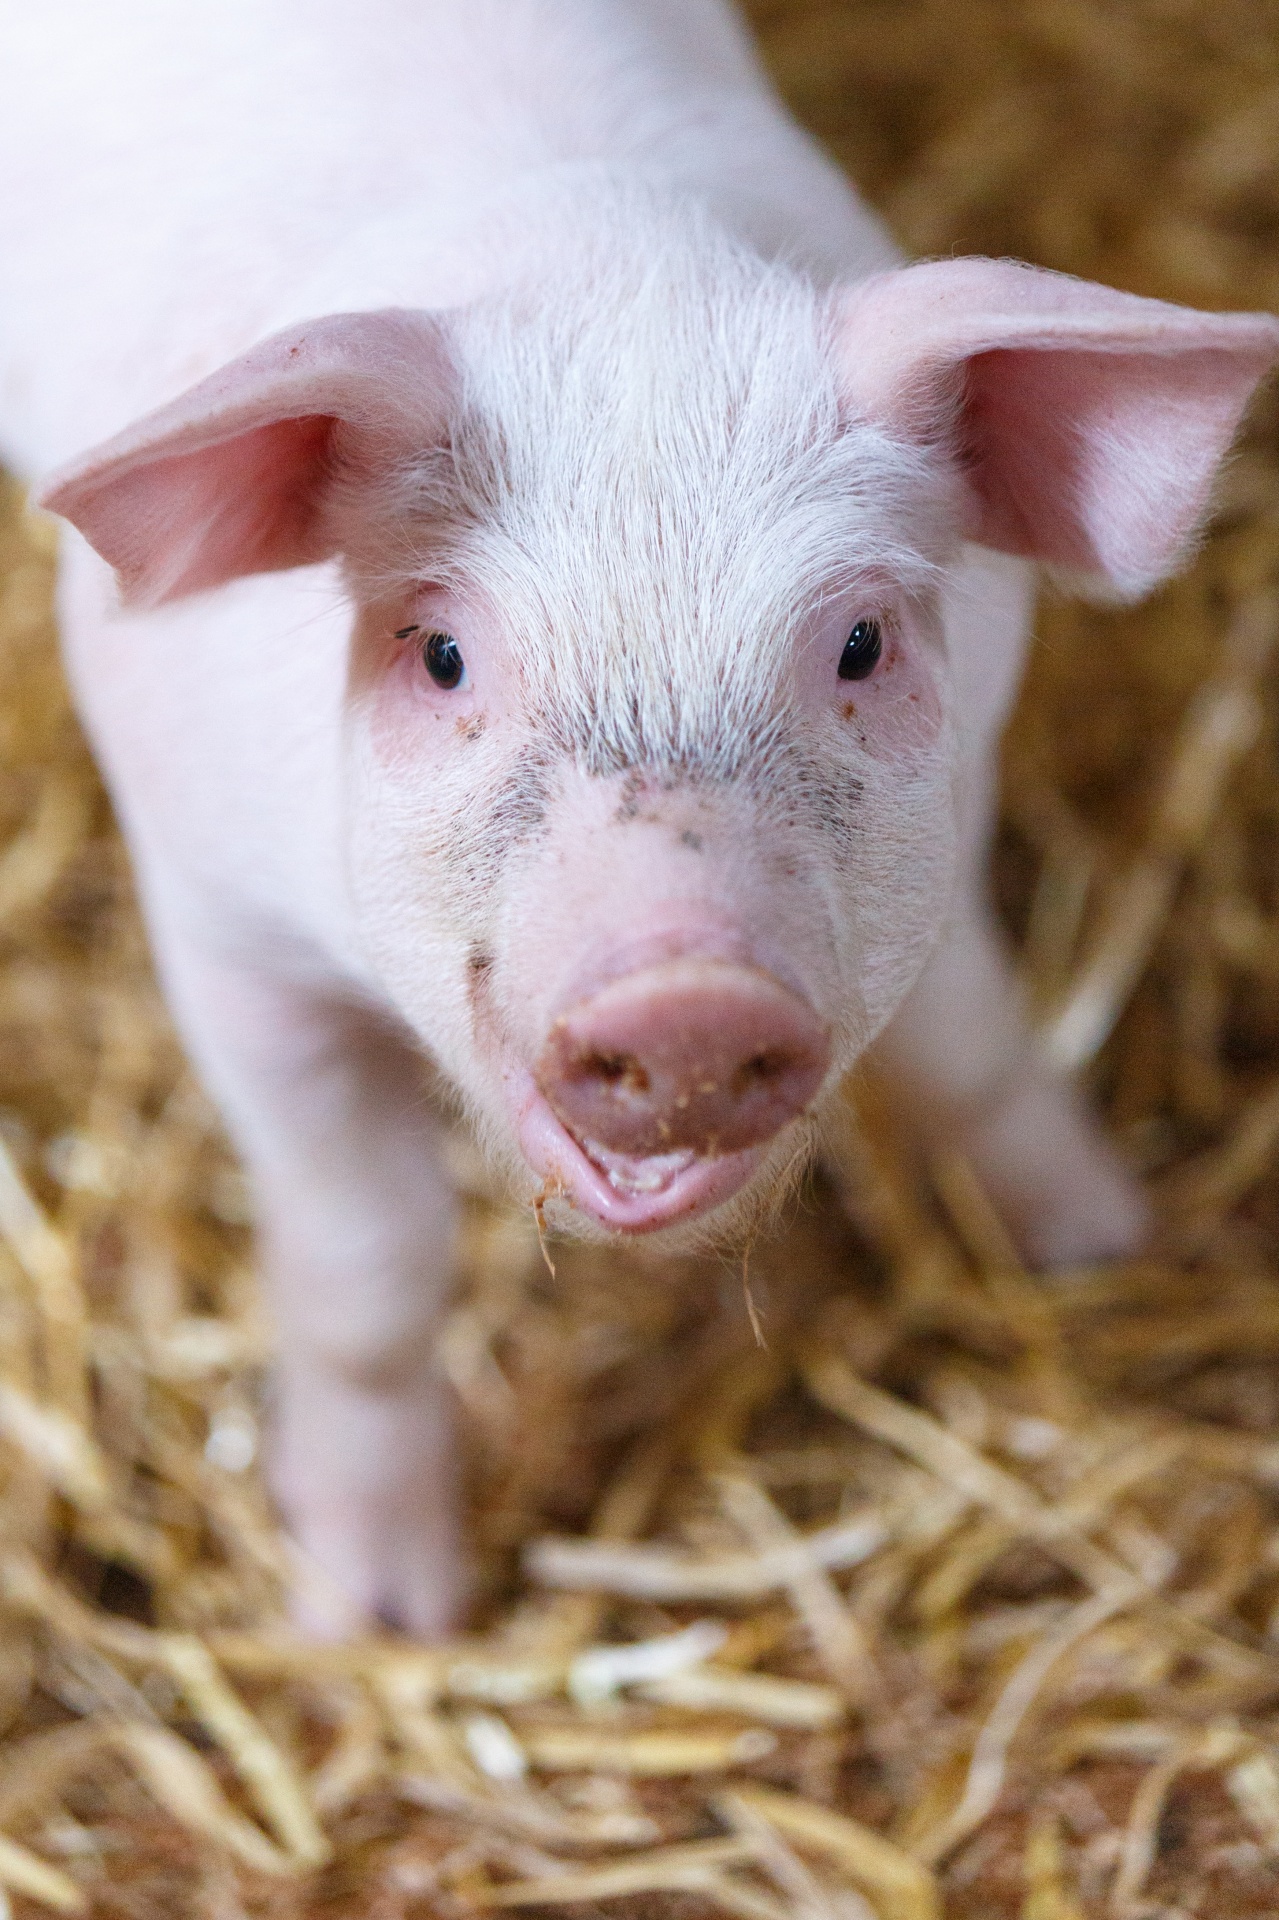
(345, 1586)
(1057, 1181)
(376, 1525)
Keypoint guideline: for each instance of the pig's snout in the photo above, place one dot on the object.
(700, 1055)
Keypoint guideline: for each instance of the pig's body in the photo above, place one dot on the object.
(178, 188)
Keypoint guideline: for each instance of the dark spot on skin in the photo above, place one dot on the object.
(520, 803)
(628, 805)
(808, 793)
(479, 965)
(509, 815)
(690, 839)
(850, 710)
(643, 791)
(472, 726)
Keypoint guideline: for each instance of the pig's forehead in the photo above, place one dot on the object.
(656, 467)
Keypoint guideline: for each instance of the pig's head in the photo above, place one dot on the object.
(649, 731)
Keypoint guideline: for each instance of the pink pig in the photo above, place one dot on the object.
(569, 578)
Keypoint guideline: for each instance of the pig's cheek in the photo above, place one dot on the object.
(899, 710)
(404, 725)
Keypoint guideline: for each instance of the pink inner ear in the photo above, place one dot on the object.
(1090, 423)
(181, 524)
(233, 477)
(1099, 462)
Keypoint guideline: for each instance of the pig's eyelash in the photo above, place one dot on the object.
(402, 633)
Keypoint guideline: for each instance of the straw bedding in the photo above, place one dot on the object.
(960, 1594)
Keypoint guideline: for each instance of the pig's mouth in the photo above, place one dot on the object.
(657, 1096)
(624, 1192)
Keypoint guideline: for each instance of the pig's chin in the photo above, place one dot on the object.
(627, 1193)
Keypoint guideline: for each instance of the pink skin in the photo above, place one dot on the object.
(586, 954)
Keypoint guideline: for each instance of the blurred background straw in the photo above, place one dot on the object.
(960, 1595)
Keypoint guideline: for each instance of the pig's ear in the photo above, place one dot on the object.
(234, 476)
(1090, 423)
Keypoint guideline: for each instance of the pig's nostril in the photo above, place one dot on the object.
(761, 1070)
(615, 1070)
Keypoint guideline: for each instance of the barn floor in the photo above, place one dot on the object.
(982, 1571)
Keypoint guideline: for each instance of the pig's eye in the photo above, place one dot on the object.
(442, 658)
(861, 651)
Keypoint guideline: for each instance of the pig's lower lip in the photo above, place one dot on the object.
(624, 1192)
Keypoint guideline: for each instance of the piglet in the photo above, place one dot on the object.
(547, 586)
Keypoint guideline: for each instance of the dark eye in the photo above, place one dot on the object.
(861, 651)
(442, 658)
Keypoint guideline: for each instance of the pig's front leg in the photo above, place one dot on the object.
(961, 1052)
(356, 1223)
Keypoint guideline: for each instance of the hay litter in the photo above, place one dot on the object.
(960, 1594)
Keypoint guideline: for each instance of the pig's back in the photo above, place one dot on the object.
(180, 181)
